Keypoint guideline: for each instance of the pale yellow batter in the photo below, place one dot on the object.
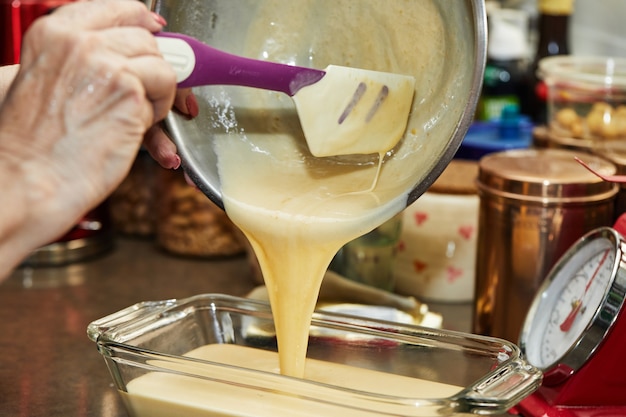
(298, 210)
(166, 395)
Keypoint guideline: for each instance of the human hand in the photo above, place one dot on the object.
(158, 144)
(90, 85)
(156, 141)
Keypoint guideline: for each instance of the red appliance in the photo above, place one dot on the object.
(576, 331)
(15, 17)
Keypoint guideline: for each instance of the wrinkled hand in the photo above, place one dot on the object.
(91, 84)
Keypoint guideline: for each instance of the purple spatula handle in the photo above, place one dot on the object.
(215, 67)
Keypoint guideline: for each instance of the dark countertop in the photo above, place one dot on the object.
(48, 365)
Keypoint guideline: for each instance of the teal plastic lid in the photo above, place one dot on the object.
(511, 131)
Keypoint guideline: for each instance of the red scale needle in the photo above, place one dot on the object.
(577, 305)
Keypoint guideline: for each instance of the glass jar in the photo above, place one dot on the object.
(188, 223)
(132, 204)
(370, 259)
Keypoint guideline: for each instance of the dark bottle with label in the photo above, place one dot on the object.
(553, 32)
(507, 64)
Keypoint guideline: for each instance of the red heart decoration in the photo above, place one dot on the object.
(419, 266)
(454, 273)
(420, 217)
(466, 232)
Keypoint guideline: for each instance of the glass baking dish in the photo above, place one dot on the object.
(417, 371)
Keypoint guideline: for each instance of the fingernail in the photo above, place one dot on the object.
(159, 19)
(177, 163)
(192, 105)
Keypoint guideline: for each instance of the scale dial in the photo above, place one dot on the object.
(574, 308)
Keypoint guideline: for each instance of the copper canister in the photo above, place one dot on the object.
(534, 204)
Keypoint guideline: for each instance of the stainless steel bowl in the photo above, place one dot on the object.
(450, 42)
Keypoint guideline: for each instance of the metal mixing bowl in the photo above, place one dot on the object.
(451, 45)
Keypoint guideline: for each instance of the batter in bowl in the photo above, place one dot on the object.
(297, 210)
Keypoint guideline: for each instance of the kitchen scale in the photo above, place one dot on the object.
(575, 331)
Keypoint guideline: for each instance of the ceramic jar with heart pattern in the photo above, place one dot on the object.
(436, 257)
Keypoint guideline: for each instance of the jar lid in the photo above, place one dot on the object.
(556, 7)
(545, 176)
(511, 131)
(508, 31)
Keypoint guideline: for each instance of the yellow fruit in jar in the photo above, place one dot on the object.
(577, 129)
(598, 118)
(567, 117)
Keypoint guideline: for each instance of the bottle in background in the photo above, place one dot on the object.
(506, 70)
(553, 39)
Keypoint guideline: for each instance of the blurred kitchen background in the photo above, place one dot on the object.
(461, 257)
(433, 252)
(596, 27)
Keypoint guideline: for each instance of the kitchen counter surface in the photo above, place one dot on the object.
(48, 365)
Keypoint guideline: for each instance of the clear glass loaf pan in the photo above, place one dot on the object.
(149, 339)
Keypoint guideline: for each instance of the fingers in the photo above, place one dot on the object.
(158, 144)
(159, 81)
(114, 24)
(117, 51)
(103, 14)
(186, 102)
(129, 41)
(161, 148)
(146, 62)
(144, 44)
(111, 40)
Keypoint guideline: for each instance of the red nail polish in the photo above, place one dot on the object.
(177, 164)
(192, 105)
(159, 19)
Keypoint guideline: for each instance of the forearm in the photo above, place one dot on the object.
(13, 214)
(36, 205)
(7, 75)
(29, 211)
(12, 204)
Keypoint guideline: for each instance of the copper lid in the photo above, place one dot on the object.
(545, 176)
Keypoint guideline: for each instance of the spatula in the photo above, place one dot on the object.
(342, 110)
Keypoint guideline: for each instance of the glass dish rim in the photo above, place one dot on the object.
(110, 337)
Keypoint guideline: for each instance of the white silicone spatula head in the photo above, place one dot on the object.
(364, 111)
(342, 110)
